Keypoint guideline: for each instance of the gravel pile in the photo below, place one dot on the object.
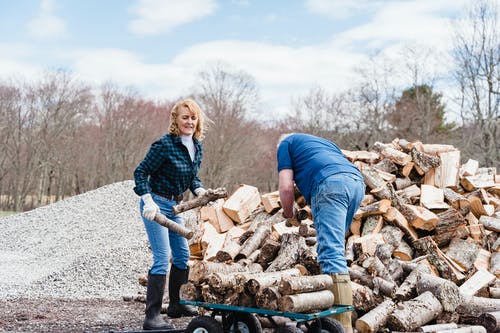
(88, 246)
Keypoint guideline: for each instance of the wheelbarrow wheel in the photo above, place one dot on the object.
(289, 329)
(204, 324)
(328, 325)
(245, 323)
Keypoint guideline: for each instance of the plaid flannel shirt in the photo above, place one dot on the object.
(167, 168)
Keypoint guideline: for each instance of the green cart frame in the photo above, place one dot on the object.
(239, 319)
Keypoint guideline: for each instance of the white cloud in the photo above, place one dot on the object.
(46, 24)
(340, 9)
(160, 16)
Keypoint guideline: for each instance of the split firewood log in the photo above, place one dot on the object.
(415, 312)
(231, 246)
(407, 289)
(210, 195)
(479, 280)
(475, 306)
(376, 319)
(363, 298)
(268, 252)
(438, 327)
(306, 302)
(190, 292)
(490, 321)
(463, 252)
(222, 282)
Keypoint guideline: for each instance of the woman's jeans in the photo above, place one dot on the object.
(334, 202)
(163, 240)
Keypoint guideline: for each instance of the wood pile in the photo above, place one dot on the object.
(423, 249)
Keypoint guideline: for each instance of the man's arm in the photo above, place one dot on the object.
(287, 191)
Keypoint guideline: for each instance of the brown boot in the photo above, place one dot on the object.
(342, 292)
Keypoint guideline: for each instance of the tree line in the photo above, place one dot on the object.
(60, 137)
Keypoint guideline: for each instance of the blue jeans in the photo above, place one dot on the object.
(164, 241)
(334, 202)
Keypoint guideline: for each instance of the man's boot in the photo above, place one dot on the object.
(176, 279)
(154, 297)
(342, 292)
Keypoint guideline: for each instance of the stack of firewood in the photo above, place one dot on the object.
(422, 249)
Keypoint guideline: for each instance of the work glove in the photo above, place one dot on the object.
(150, 207)
(200, 191)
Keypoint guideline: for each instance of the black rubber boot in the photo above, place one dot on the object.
(176, 279)
(154, 298)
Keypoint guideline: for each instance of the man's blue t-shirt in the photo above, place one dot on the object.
(312, 159)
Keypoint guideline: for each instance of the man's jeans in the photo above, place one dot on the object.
(162, 240)
(334, 202)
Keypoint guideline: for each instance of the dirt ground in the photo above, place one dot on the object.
(56, 315)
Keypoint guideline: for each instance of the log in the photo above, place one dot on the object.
(307, 302)
(231, 246)
(455, 199)
(376, 208)
(463, 252)
(444, 238)
(271, 202)
(402, 183)
(424, 161)
(223, 282)
(210, 195)
(171, 225)
(438, 327)
(432, 197)
(372, 225)
(475, 306)
(190, 292)
(215, 215)
(292, 245)
(304, 284)
(445, 291)
(268, 252)
(363, 298)
(200, 270)
(410, 315)
(267, 298)
(349, 249)
(490, 321)
(254, 242)
(269, 279)
(403, 251)
(495, 264)
(449, 219)
(421, 218)
(386, 165)
(393, 154)
(392, 235)
(376, 319)
(490, 223)
(407, 289)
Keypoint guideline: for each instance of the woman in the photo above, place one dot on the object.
(168, 170)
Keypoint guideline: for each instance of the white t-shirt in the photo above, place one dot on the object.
(187, 140)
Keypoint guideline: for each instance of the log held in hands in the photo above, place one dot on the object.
(171, 225)
(210, 195)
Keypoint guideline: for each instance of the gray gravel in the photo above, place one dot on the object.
(88, 246)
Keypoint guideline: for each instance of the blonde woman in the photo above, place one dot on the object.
(168, 170)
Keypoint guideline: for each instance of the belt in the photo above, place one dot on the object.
(177, 198)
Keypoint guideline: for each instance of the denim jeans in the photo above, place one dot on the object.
(163, 241)
(334, 202)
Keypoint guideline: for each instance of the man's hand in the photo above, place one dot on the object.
(200, 191)
(293, 220)
(150, 207)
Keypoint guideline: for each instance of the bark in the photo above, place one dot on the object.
(190, 292)
(376, 319)
(292, 245)
(268, 252)
(424, 161)
(490, 320)
(410, 315)
(407, 289)
(200, 270)
(254, 242)
(269, 279)
(438, 327)
(304, 284)
(446, 291)
(463, 252)
(306, 302)
(448, 220)
(363, 298)
(171, 225)
(210, 195)
(475, 306)
(267, 298)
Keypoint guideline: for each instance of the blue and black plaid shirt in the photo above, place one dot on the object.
(167, 168)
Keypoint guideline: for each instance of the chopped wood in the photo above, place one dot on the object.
(407, 289)
(395, 217)
(368, 243)
(479, 280)
(490, 223)
(438, 327)
(444, 238)
(271, 202)
(410, 192)
(456, 200)
(402, 183)
(376, 319)
(267, 298)
(415, 313)
(463, 252)
(432, 197)
(376, 208)
(200, 270)
(306, 302)
(403, 251)
(216, 216)
(445, 175)
(424, 161)
(372, 225)
(363, 298)
(211, 241)
(292, 245)
(449, 220)
(231, 246)
(483, 260)
(469, 168)
(475, 306)
(495, 264)
(421, 218)
(254, 242)
(361, 155)
(470, 183)
(241, 203)
(394, 155)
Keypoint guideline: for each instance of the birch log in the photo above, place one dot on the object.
(410, 315)
(375, 319)
(306, 302)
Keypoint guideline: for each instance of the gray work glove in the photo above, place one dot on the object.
(150, 207)
(200, 191)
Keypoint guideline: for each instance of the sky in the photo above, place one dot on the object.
(159, 47)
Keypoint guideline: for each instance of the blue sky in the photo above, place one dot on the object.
(158, 46)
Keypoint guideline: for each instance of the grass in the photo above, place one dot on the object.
(4, 213)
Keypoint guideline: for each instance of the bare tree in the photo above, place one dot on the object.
(477, 56)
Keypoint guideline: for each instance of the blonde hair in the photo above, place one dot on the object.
(193, 107)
